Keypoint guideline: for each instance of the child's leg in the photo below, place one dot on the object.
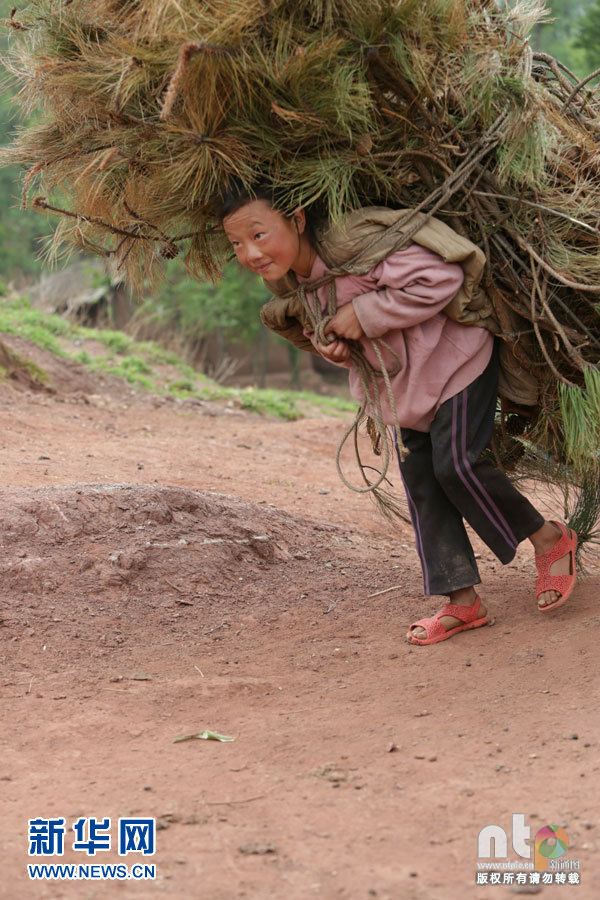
(447, 558)
(485, 497)
(446, 555)
(460, 432)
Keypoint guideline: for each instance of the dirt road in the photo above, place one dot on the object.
(173, 567)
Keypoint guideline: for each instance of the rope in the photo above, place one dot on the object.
(368, 375)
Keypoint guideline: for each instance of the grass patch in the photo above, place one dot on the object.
(134, 360)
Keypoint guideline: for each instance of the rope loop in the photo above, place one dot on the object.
(368, 375)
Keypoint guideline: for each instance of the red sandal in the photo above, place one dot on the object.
(468, 615)
(563, 584)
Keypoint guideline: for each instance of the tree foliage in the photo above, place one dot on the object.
(588, 36)
(196, 308)
(559, 35)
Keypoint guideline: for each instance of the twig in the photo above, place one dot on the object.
(577, 286)
(231, 802)
(385, 591)
(549, 209)
(199, 670)
(210, 630)
(174, 585)
(578, 87)
(535, 290)
(120, 691)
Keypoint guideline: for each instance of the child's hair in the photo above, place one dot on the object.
(239, 194)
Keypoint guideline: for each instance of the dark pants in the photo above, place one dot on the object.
(446, 481)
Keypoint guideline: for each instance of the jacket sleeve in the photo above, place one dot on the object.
(278, 316)
(412, 285)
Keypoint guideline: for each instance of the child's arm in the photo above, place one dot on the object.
(412, 286)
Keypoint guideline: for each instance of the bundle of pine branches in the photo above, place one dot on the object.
(149, 108)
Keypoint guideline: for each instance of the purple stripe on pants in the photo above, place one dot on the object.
(462, 477)
(414, 515)
(512, 539)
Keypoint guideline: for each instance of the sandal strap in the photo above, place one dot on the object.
(434, 627)
(564, 545)
(558, 583)
(466, 614)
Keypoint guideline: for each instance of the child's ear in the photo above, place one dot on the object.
(299, 218)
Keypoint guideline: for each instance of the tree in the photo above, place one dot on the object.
(20, 230)
(559, 36)
(588, 36)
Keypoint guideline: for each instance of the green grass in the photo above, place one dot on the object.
(134, 361)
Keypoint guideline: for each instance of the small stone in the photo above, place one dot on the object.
(574, 737)
(392, 748)
(419, 756)
(257, 849)
(526, 888)
(323, 492)
(433, 759)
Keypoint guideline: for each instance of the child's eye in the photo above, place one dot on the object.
(259, 235)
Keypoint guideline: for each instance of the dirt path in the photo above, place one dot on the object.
(174, 567)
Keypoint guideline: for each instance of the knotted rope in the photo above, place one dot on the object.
(368, 375)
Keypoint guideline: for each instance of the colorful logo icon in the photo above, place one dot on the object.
(551, 842)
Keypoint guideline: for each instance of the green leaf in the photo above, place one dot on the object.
(204, 736)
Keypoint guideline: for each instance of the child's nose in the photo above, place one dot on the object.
(253, 253)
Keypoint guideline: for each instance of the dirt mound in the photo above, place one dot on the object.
(96, 538)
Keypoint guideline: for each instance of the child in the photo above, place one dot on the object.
(445, 398)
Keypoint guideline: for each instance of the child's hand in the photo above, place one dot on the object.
(336, 352)
(345, 324)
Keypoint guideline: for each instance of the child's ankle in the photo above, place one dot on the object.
(463, 596)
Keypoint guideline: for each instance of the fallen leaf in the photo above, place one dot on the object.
(203, 736)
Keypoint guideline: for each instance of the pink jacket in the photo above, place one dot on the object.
(401, 300)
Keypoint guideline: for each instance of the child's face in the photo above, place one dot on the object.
(265, 241)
